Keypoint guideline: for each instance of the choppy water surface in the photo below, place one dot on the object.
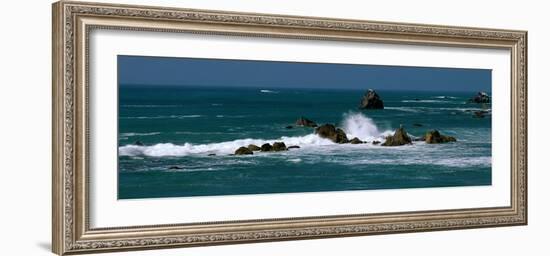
(179, 130)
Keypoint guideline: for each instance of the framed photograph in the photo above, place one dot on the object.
(179, 127)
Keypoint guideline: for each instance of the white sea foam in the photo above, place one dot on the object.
(228, 147)
(420, 109)
(354, 124)
(464, 161)
(130, 134)
(268, 91)
(362, 127)
(405, 109)
(427, 101)
(295, 160)
(150, 106)
(444, 97)
(162, 117)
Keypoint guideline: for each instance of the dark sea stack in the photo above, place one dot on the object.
(375, 142)
(289, 147)
(279, 146)
(434, 137)
(329, 131)
(481, 97)
(371, 100)
(356, 141)
(302, 121)
(243, 151)
(253, 147)
(398, 138)
(266, 147)
(212, 154)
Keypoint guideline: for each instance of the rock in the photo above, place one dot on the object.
(266, 147)
(302, 121)
(433, 137)
(138, 143)
(243, 151)
(329, 131)
(279, 146)
(398, 138)
(253, 147)
(289, 127)
(371, 100)
(375, 142)
(418, 125)
(293, 147)
(211, 154)
(175, 168)
(356, 141)
(481, 97)
(480, 114)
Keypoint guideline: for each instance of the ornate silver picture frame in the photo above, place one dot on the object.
(72, 24)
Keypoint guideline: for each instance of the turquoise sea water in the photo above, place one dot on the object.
(181, 127)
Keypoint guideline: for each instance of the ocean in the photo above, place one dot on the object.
(177, 141)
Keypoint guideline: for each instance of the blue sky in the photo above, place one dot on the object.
(143, 70)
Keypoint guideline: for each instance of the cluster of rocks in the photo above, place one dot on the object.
(329, 131)
(276, 146)
(370, 100)
(400, 137)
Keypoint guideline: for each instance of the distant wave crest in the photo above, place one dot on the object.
(130, 134)
(161, 117)
(268, 91)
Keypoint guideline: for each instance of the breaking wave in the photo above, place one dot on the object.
(354, 124)
(228, 147)
(362, 127)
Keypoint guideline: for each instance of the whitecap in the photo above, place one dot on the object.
(426, 101)
(161, 117)
(130, 134)
(405, 109)
(268, 91)
(150, 106)
(444, 97)
(295, 160)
